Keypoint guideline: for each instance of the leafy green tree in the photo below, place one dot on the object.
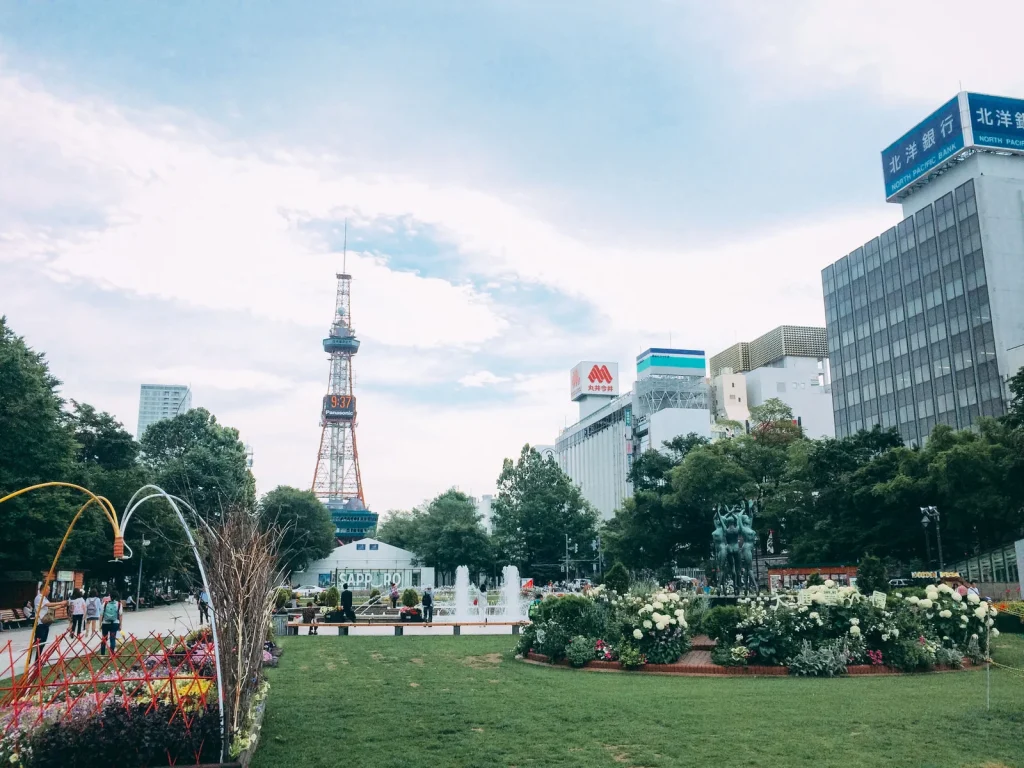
(35, 447)
(536, 507)
(617, 578)
(399, 528)
(1015, 414)
(199, 460)
(773, 423)
(871, 575)
(307, 530)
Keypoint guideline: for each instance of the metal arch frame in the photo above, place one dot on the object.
(173, 501)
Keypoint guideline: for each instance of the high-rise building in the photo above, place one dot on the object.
(925, 322)
(161, 401)
(669, 399)
(789, 363)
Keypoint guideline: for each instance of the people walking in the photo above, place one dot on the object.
(93, 607)
(428, 605)
(346, 604)
(111, 623)
(77, 613)
(393, 594)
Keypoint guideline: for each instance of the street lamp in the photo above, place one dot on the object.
(138, 582)
(927, 515)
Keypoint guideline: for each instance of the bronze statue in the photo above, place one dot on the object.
(733, 540)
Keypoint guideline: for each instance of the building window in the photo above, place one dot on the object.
(360, 546)
(374, 546)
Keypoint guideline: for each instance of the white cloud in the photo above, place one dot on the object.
(215, 233)
(481, 379)
(913, 51)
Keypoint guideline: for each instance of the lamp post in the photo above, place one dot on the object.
(138, 581)
(928, 514)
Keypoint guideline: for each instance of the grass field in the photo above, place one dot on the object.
(464, 701)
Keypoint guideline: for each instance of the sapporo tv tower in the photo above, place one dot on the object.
(337, 482)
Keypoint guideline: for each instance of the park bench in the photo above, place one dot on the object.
(9, 617)
(343, 627)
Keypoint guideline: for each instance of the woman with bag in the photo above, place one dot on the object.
(41, 606)
(77, 613)
(111, 623)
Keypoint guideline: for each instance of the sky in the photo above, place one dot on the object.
(525, 185)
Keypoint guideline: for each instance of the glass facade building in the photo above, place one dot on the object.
(161, 401)
(909, 325)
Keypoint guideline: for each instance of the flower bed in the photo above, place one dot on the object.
(823, 631)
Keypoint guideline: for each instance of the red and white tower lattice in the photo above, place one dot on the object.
(337, 481)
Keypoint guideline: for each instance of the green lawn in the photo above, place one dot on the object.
(464, 701)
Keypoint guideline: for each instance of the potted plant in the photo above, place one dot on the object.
(410, 606)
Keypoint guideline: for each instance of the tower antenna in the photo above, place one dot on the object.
(344, 250)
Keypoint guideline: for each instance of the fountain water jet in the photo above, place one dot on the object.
(462, 594)
(510, 593)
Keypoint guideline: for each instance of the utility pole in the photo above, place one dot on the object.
(567, 558)
(138, 581)
(932, 513)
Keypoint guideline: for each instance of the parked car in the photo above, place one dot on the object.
(899, 582)
(308, 591)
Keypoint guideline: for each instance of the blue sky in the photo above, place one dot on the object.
(526, 185)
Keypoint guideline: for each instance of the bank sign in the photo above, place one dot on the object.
(967, 121)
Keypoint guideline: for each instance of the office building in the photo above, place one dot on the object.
(925, 322)
(161, 401)
(670, 398)
(789, 363)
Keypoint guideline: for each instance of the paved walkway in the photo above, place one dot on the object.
(178, 619)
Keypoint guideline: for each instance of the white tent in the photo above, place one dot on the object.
(365, 564)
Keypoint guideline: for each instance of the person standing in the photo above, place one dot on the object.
(394, 595)
(93, 606)
(204, 606)
(77, 613)
(428, 605)
(41, 609)
(346, 604)
(973, 590)
(111, 623)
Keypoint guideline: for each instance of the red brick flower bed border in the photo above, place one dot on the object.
(717, 669)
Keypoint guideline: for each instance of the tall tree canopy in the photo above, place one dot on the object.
(444, 534)
(536, 507)
(305, 523)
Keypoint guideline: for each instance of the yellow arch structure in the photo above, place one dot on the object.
(108, 511)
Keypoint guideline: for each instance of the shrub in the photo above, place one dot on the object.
(974, 652)
(580, 651)
(331, 597)
(575, 614)
(630, 657)
(827, 661)
(283, 596)
(374, 593)
(909, 655)
(617, 578)
(527, 640)
(552, 640)
(815, 580)
(949, 657)
(720, 623)
(871, 575)
(730, 656)
(137, 735)
(410, 598)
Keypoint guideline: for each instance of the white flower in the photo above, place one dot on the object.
(647, 624)
(658, 605)
(993, 611)
(739, 638)
(945, 614)
(638, 634)
(855, 621)
(989, 622)
(855, 630)
(981, 611)
(995, 632)
(945, 588)
(648, 608)
(680, 612)
(932, 594)
(895, 633)
(973, 598)
(926, 603)
(829, 583)
(974, 637)
(963, 618)
(957, 596)
(913, 599)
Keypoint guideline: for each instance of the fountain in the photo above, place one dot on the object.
(510, 594)
(462, 594)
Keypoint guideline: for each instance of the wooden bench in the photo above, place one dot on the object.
(343, 627)
(9, 618)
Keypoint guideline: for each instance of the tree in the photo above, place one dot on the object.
(307, 532)
(198, 459)
(101, 439)
(871, 575)
(773, 422)
(445, 534)
(537, 506)
(1015, 415)
(35, 447)
(617, 578)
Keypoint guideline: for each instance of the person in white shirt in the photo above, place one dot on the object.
(93, 606)
(77, 613)
(41, 605)
(973, 590)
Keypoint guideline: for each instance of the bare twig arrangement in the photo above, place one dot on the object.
(241, 561)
